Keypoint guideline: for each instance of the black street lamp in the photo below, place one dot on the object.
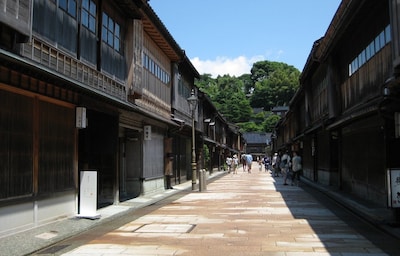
(192, 100)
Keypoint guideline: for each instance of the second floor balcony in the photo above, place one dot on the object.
(72, 69)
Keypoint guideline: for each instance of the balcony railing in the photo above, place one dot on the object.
(74, 69)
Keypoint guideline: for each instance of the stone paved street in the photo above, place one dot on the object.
(242, 214)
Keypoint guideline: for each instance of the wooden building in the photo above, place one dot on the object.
(258, 144)
(221, 138)
(342, 119)
(181, 136)
(89, 85)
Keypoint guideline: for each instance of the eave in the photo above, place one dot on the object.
(152, 25)
(157, 31)
(131, 8)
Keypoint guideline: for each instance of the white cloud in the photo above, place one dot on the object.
(225, 66)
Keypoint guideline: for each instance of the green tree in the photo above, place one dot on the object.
(269, 84)
(208, 85)
(258, 118)
(247, 83)
(275, 84)
(227, 95)
(270, 122)
(261, 70)
(249, 127)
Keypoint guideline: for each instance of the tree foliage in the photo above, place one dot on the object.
(275, 84)
(231, 101)
(270, 122)
(208, 85)
(269, 84)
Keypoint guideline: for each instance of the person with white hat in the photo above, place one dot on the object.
(275, 164)
(285, 166)
(235, 163)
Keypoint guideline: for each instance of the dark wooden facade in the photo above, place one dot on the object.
(342, 117)
(114, 59)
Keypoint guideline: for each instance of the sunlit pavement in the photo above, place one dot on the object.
(238, 214)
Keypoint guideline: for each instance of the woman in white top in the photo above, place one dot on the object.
(296, 167)
(285, 166)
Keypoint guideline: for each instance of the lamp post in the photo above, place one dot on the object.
(192, 100)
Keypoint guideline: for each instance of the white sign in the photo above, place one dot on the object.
(81, 117)
(394, 188)
(88, 195)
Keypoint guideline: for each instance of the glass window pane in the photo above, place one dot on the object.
(117, 30)
(110, 39)
(104, 30)
(116, 44)
(363, 57)
(85, 18)
(382, 38)
(104, 34)
(388, 36)
(372, 48)
(377, 44)
(63, 4)
(85, 4)
(105, 20)
(368, 52)
(92, 24)
(355, 65)
(92, 8)
(110, 24)
(72, 8)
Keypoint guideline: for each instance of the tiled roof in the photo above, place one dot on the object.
(257, 137)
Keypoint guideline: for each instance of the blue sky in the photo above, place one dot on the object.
(227, 36)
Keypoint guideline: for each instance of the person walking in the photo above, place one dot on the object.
(285, 167)
(249, 161)
(296, 167)
(267, 162)
(229, 163)
(243, 160)
(235, 164)
(260, 163)
(275, 164)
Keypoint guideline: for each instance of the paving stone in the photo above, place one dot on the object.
(243, 214)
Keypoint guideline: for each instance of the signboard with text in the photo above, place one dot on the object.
(88, 195)
(394, 188)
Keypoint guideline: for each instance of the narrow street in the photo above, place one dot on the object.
(239, 214)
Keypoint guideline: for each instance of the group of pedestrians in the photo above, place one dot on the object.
(232, 163)
(287, 165)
